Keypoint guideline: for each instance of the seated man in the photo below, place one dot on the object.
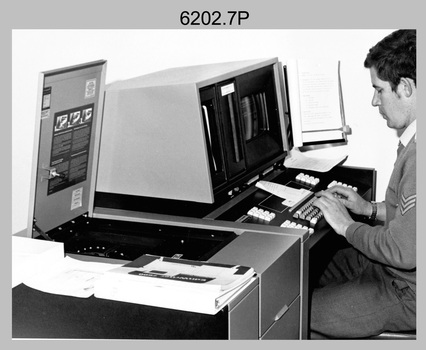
(370, 287)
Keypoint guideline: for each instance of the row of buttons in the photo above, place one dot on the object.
(308, 180)
(261, 214)
(268, 216)
(334, 183)
(309, 212)
(292, 224)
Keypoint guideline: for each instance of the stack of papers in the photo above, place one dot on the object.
(175, 283)
(298, 160)
(42, 265)
(30, 256)
(69, 277)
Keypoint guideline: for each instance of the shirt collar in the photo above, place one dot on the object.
(408, 133)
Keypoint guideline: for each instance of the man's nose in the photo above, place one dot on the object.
(375, 101)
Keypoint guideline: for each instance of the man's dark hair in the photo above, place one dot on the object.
(394, 57)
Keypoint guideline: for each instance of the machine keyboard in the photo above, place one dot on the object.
(306, 215)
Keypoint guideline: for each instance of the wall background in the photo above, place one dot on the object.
(135, 52)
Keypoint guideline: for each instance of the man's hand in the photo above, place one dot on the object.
(351, 200)
(334, 210)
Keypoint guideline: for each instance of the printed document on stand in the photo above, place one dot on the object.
(316, 101)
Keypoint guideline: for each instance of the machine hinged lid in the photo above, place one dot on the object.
(66, 145)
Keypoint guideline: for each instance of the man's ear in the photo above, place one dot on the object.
(406, 87)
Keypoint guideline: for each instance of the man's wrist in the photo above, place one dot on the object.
(373, 211)
(344, 227)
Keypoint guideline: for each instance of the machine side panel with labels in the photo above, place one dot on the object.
(66, 150)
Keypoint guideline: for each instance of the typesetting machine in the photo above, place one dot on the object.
(176, 163)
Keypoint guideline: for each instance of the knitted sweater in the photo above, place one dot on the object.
(394, 243)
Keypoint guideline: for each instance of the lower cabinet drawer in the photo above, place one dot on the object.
(288, 326)
(279, 286)
(244, 317)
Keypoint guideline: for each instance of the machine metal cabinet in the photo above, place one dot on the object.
(277, 263)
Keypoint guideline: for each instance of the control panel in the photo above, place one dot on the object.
(287, 200)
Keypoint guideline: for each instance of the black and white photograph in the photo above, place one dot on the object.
(242, 176)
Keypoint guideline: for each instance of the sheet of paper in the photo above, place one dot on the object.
(319, 95)
(297, 160)
(69, 277)
(297, 197)
(290, 195)
(31, 255)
